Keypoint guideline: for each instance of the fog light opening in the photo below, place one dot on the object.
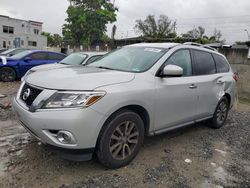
(65, 137)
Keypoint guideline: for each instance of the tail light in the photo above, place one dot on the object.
(236, 76)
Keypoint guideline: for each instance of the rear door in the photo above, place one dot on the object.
(210, 84)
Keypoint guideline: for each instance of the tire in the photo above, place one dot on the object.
(7, 74)
(220, 114)
(116, 149)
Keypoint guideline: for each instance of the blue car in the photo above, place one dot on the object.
(12, 68)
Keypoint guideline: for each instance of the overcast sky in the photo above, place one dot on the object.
(232, 17)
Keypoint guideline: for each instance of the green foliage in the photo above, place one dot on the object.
(87, 19)
(49, 37)
(53, 40)
(198, 35)
(105, 38)
(161, 28)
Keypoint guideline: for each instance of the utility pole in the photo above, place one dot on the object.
(193, 32)
(174, 26)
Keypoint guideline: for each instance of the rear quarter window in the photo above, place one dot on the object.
(221, 64)
(204, 63)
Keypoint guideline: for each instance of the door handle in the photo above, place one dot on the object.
(192, 86)
(220, 82)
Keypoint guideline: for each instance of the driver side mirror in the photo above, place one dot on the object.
(172, 71)
(27, 59)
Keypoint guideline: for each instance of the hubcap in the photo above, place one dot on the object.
(123, 140)
(221, 112)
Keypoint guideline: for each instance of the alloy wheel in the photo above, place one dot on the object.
(221, 113)
(123, 140)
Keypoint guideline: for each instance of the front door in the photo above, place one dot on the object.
(35, 59)
(176, 97)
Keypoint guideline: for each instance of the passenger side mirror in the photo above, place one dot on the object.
(172, 70)
(27, 59)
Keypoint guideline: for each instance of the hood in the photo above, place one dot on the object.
(77, 78)
(47, 67)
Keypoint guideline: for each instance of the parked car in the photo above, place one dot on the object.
(2, 50)
(12, 51)
(16, 66)
(109, 106)
(75, 59)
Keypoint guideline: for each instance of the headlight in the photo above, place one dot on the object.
(72, 99)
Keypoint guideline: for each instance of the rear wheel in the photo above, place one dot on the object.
(220, 114)
(121, 140)
(7, 74)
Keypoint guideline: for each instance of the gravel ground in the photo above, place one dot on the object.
(194, 156)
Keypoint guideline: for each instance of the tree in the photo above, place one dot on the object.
(161, 28)
(195, 33)
(87, 19)
(57, 40)
(49, 38)
(53, 40)
(198, 35)
(201, 31)
(217, 35)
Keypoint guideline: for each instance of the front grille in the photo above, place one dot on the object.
(29, 94)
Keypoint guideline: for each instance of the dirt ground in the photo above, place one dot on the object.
(194, 156)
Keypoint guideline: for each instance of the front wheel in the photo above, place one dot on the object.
(7, 74)
(220, 114)
(121, 140)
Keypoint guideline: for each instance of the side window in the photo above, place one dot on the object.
(39, 56)
(221, 63)
(182, 59)
(204, 63)
(54, 56)
(92, 59)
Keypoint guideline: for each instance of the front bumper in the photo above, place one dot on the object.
(85, 125)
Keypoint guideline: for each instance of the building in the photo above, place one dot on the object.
(16, 33)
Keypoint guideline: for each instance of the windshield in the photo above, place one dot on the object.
(130, 59)
(21, 54)
(7, 51)
(74, 59)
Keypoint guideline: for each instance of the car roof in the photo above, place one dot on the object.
(155, 45)
(31, 51)
(171, 45)
(92, 53)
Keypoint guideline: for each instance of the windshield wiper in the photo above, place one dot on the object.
(62, 63)
(101, 67)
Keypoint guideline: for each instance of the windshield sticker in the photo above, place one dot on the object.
(3, 60)
(152, 50)
(81, 55)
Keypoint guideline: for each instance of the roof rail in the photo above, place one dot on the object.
(199, 45)
(208, 47)
(192, 43)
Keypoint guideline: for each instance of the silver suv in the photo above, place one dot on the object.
(109, 106)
